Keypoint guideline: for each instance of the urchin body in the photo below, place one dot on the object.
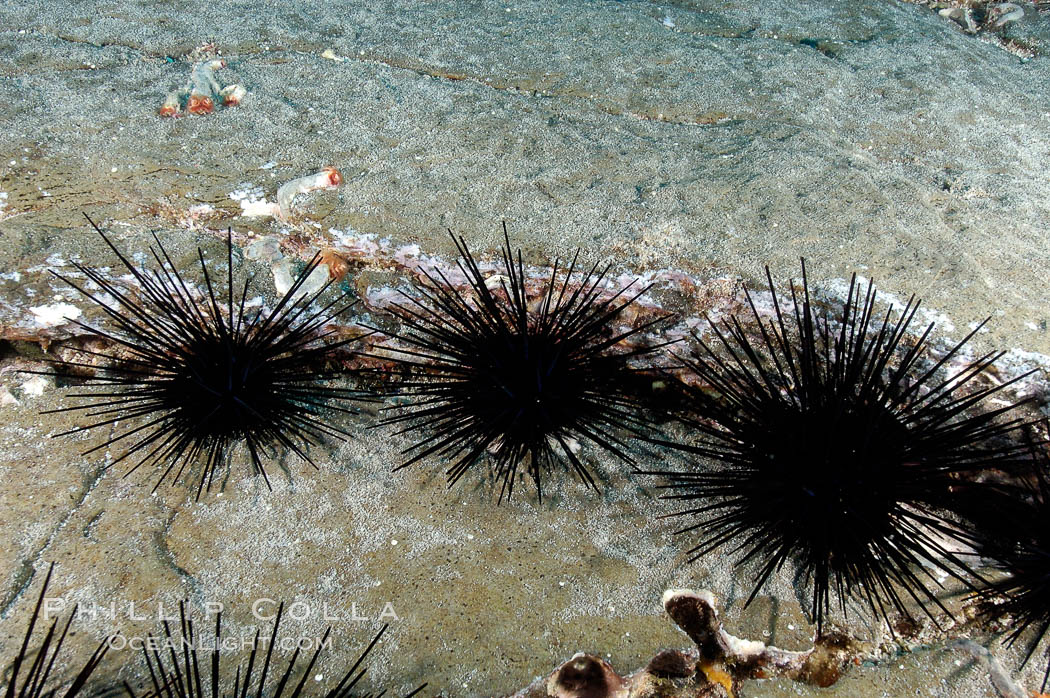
(837, 447)
(525, 379)
(527, 389)
(195, 377)
(826, 464)
(226, 389)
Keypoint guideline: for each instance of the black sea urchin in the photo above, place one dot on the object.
(522, 376)
(199, 377)
(174, 665)
(1013, 527)
(36, 682)
(838, 443)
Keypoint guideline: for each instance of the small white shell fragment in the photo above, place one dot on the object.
(232, 95)
(260, 208)
(961, 15)
(55, 314)
(496, 282)
(573, 445)
(1007, 12)
(284, 277)
(265, 249)
(35, 386)
(328, 178)
(6, 398)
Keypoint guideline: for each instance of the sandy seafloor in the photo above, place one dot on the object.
(712, 137)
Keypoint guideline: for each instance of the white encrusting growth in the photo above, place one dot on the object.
(924, 316)
(35, 386)
(55, 314)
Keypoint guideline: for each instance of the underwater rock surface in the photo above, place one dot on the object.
(700, 140)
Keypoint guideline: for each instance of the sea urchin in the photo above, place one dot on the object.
(838, 443)
(37, 681)
(523, 376)
(200, 376)
(1013, 532)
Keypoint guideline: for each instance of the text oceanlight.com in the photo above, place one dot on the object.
(151, 643)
